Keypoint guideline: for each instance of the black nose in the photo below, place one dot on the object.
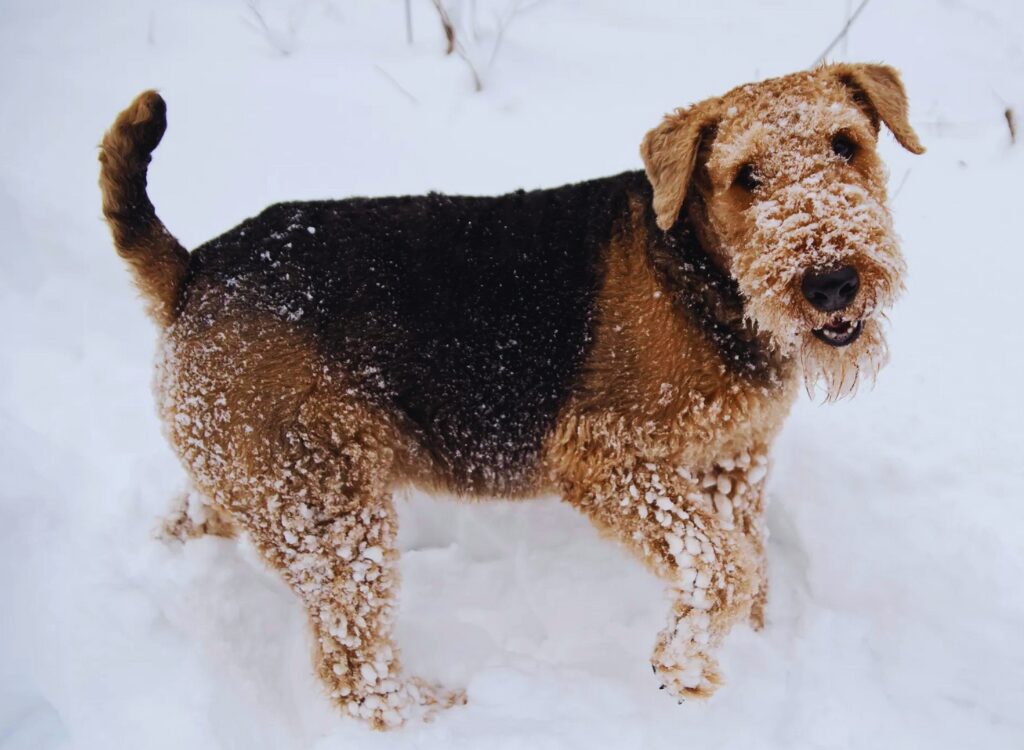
(831, 290)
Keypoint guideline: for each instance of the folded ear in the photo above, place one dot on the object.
(879, 91)
(670, 153)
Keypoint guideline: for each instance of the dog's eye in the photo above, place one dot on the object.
(843, 147)
(746, 179)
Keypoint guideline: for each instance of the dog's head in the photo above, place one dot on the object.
(783, 185)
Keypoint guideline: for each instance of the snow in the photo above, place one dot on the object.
(896, 554)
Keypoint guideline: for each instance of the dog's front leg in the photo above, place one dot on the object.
(671, 521)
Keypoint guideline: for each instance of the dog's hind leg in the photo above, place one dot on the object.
(709, 564)
(324, 518)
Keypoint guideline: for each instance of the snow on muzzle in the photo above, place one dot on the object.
(812, 227)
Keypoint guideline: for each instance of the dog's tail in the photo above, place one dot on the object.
(158, 261)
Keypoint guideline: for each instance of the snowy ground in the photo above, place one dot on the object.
(897, 555)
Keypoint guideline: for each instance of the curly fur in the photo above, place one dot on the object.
(632, 343)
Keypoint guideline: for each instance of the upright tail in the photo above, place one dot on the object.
(158, 262)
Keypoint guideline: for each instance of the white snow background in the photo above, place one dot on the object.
(897, 552)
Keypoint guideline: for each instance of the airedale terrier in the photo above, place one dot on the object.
(632, 343)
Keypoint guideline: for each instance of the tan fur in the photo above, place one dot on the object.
(670, 152)
(664, 441)
(662, 444)
(182, 525)
(157, 261)
(270, 435)
(819, 211)
(883, 92)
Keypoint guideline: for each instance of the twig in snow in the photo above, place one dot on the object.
(454, 45)
(274, 39)
(846, 39)
(446, 24)
(1011, 123)
(503, 24)
(405, 92)
(842, 33)
(478, 84)
(408, 21)
(899, 188)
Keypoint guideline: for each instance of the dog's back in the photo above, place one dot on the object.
(467, 319)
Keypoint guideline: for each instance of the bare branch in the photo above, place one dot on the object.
(502, 25)
(899, 188)
(1011, 123)
(478, 84)
(446, 24)
(842, 33)
(455, 45)
(282, 46)
(404, 91)
(455, 40)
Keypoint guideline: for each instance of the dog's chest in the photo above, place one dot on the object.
(702, 434)
(660, 389)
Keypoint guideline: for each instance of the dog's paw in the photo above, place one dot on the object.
(178, 528)
(393, 703)
(192, 519)
(698, 677)
(433, 697)
(682, 663)
(757, 615)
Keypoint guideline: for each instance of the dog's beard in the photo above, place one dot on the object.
(841, 370)
(801, 228)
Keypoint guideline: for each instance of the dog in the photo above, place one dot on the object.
(632, 343)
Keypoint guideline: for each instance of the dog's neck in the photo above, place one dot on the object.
(701, 290)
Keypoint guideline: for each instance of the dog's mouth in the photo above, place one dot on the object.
(840, 333)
